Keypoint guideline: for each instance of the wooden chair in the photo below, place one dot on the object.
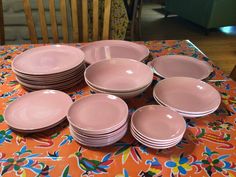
(134, 10)
(2, 33)
(76, 25)
(233, 73)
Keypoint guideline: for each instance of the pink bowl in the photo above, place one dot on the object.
(107, 49)
(37, 110)
(118, 75)
(184, 66)
(158, 123)
(187, 95)
(48, 59)
(98, 114)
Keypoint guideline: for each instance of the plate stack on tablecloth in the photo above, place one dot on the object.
(98, 120)
(122, 77)
(188, 96)
(157, 127)
(58, 67)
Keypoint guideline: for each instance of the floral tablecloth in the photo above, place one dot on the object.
(207, 149)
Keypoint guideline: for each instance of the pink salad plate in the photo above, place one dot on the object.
(181, 66)
(187, 95)
(158, 123)
(99, 140)
(37, 111)
(188, 115)
(124, 95)
(98, 114)
(100, 136)
(94, 144)
(108, 49)
(50, 59)
(118, 75)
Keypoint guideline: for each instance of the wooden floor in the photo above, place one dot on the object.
(219, 45)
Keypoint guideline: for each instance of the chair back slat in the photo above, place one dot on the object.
(95, 19)
(75, 26)
(29, 20)
(42, 20)
(64, 21)
(106, 20)
(2, 33)
(85, 20)
(53, 21)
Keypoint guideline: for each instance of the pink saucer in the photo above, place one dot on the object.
(98, 114)
(107, 49)
(37, 110)
(181, 66)
(118, 75)
(48, 59)
(187, 95)
(158, 123)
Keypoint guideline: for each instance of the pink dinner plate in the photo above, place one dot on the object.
(48, 59)
(181, 66)
(118, 75)
(37, 110)
(107, 49)
(186, 94)
(98, 113)
(158, 123)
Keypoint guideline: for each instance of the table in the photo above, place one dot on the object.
(208, 146)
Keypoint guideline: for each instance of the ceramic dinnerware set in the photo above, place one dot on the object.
(58, 67)
(115, 72)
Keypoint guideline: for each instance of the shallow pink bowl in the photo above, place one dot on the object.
(118, 75)
(158, 123)
(187, 95)
(98, 114)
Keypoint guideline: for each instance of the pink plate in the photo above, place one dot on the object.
(181, 66)
(187, 115)
(98, 113)
(48, 59)
(37, 110)
(187, 95)
(123, 95)
(107, 49)
(158, 123)
(118, 75)
(107, 143)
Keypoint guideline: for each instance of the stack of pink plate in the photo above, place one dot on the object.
(180, 66)
(58, 67)
(157, 127)
(37, 111)
(98, 120)
(108, 49)
(188, 96)
(122, 77)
